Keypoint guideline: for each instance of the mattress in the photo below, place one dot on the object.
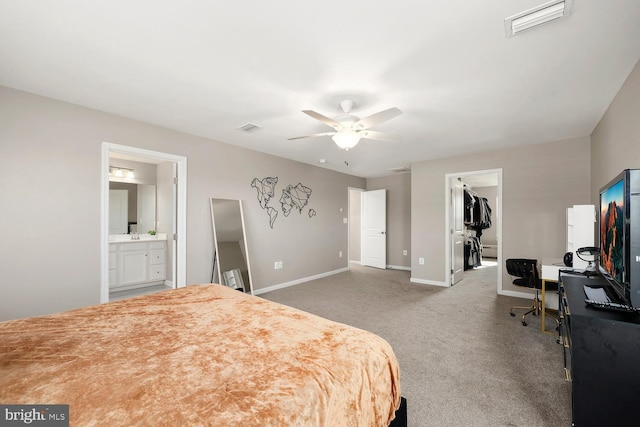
(199, 355)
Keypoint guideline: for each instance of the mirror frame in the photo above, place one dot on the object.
(216, 254)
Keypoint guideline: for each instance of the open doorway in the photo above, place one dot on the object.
(355, 225)
(466, 237)
(135, 262)
(367, 227)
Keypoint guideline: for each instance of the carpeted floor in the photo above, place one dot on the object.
(464, 361)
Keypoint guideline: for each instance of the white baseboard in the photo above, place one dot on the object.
(390, 266)
(297, 281)
(399, 267)
(428, 282)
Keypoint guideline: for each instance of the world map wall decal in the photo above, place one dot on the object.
(293, 197)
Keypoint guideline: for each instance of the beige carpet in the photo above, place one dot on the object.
(464, 361)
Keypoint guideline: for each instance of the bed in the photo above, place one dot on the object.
(200, 355)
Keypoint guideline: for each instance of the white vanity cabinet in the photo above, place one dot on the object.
(157, 269)
(136, 263)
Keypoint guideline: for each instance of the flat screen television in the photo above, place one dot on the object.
(620, 235)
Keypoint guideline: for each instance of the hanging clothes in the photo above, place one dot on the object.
(477, 212)
(472, 252)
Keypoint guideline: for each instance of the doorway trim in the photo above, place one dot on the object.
(350, 244)
(181, 212)
(498, 212)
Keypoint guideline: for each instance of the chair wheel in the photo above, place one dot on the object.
(512, 314)
(524, 323)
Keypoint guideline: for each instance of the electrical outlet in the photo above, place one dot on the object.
(340, 254)
(279, 264)
(421, 261)
(404, 252)
(275, 265)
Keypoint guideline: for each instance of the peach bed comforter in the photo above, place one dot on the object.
(200, 355)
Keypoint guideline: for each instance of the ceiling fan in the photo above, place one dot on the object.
(349, 129)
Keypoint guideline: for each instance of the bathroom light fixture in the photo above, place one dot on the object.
(536, 16)
(121, 172)
(346, 138)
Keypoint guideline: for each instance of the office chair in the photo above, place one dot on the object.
(526, 274)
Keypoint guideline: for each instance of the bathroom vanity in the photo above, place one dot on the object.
(136, 263)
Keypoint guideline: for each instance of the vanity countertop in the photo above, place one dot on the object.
(126, 238)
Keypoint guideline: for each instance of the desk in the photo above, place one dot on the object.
(601, 351)
(550, 273)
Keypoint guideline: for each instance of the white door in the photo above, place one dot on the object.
(457, 231)
(374, 219)
(118, 211)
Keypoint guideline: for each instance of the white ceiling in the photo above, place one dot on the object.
(209, 67)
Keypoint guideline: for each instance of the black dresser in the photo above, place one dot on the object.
(602, 357)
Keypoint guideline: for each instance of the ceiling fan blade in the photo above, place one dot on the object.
(324, 119)
(380, 136)
(376, 118)
(313, 135)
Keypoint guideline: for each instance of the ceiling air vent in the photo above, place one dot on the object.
(536, 16)
(250, 127)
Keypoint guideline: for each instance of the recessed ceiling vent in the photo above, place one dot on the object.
(400, 169)
(536, 16)
(250, 127)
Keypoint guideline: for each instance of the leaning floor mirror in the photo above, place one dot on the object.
(231, 258)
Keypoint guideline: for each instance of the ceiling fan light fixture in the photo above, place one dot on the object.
(346, 105)
(346, 139)
(349, 129)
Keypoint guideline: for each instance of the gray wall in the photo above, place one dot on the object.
(50, 157)
(615, 141)
(50, 198)
(539, 182)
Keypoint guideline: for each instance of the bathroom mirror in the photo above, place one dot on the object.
(231, 259)
(132, 208)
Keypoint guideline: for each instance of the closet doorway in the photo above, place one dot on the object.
(466, 234)
(175, 204)
(354, 241)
